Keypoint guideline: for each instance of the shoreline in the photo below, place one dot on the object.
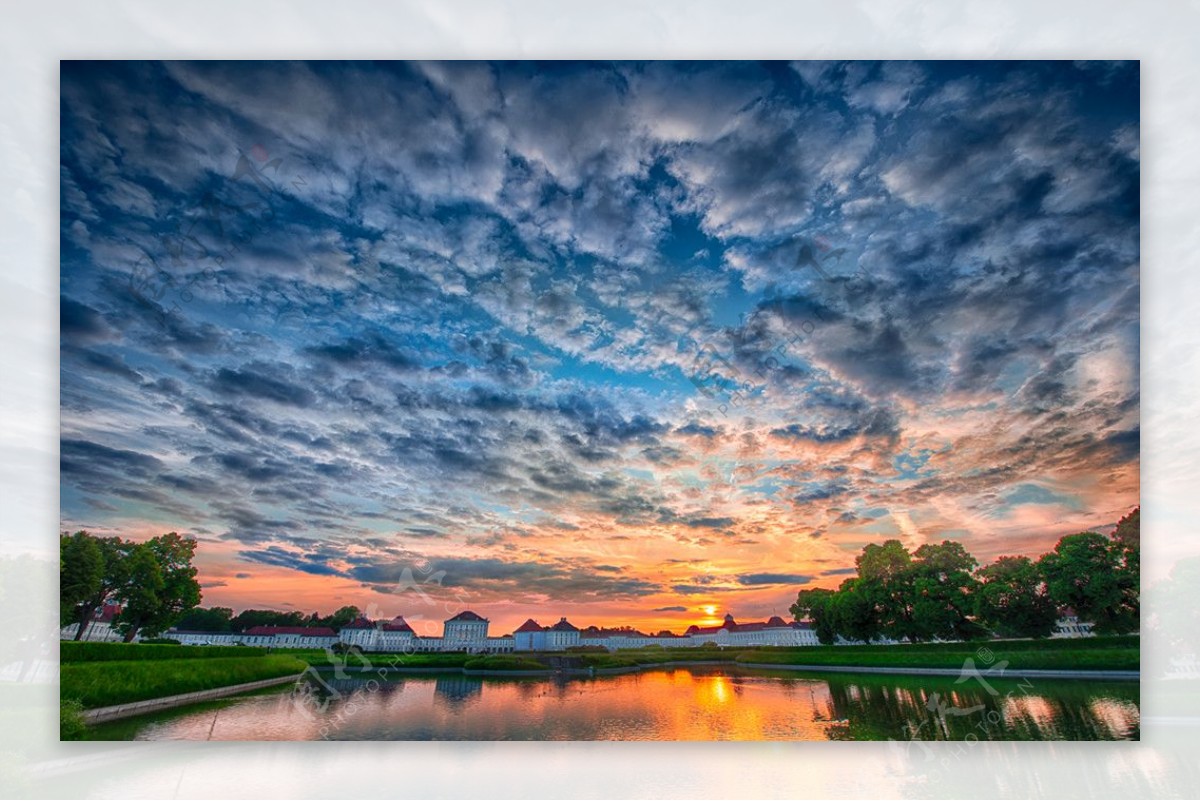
(105, 714)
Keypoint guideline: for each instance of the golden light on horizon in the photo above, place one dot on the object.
(710, 610)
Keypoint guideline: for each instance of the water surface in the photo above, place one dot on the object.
(670, 704)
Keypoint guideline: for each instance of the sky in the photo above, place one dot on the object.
(631, 343)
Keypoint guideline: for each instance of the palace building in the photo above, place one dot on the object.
(468, 632)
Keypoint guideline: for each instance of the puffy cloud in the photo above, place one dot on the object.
(597, 330)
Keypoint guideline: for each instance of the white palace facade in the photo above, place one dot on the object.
(468, 632)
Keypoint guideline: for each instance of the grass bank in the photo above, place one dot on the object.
(105, 683)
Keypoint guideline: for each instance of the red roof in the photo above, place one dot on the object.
(315, 631)
(563, 625)
(397, 624)
(359, 623)
(466, 615)
(106, 613)
(529, 625)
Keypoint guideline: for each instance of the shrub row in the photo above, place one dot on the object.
(70, 651)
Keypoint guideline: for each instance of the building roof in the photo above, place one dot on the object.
(106, 613)
(466, 615)
(398, 624)
(729, 624)
(562, 625)
(529, 625)
(313, 631)
(359, 623)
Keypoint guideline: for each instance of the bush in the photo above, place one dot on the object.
(160, 641)
(71, 725)
(70, 651)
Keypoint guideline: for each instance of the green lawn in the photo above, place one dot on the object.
(104, 683)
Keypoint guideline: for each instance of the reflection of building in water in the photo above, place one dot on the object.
(457, 689)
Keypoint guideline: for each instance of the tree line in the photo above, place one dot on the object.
(222, 619)
(153, 581)
(939, 591)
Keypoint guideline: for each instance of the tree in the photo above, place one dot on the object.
(1090, 572)
(942, 584)
(1128, 535)
(155, 598)
(1129, 529)
(217, 618)
(1012, 598)
(140, 595)
(885, 581)
(817, 605)
(249, 618)
(113, 552)
(341, 617)
(855, 613)
(81, 574)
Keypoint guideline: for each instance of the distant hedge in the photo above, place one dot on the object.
(503, 662)
(71, 651)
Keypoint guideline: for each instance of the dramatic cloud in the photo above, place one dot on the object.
(609, 339)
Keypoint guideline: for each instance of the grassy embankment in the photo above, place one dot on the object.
(103, 674)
